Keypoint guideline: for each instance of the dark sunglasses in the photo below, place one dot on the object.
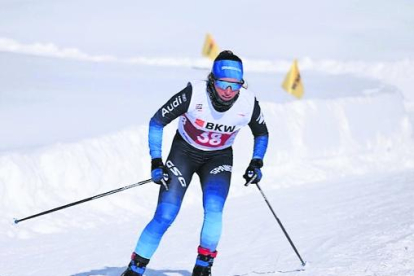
(234, 85)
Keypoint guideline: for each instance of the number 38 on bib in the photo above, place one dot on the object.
(200, 136)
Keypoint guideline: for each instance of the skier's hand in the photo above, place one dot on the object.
(253, 173)
(159, 173)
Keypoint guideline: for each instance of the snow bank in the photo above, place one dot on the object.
(398, 73)
(319, 139)
(311, 140)
(32, 182)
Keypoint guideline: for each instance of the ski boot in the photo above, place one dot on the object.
(136, 266)
(204, 262)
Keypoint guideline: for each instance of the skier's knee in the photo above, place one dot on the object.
(166, 214)
(214, 205)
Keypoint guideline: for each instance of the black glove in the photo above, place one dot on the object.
(253, 171)
(159, 173)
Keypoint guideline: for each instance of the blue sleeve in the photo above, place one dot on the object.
(259, 130)
(173, 108)
(260, 146)
(155, 138)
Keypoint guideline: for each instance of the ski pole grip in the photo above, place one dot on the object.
(251, 180)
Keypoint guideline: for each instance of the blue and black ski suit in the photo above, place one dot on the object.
(203, 146)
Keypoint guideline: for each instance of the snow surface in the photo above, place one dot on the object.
(79, 85)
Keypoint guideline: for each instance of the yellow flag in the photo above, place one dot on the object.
(293, 82)
(210, 48)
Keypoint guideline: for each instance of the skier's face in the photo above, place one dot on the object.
(227, 88)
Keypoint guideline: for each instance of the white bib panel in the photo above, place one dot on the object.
(207, 129)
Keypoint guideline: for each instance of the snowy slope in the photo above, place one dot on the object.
(353, 226)
(313, 140)
(77, 89)
(326, 154)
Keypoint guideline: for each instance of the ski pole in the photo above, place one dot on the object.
(16, 221)
(278, 220)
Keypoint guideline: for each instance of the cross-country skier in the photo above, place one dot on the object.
(210, 113)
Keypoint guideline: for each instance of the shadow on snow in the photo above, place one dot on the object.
(117, 271)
